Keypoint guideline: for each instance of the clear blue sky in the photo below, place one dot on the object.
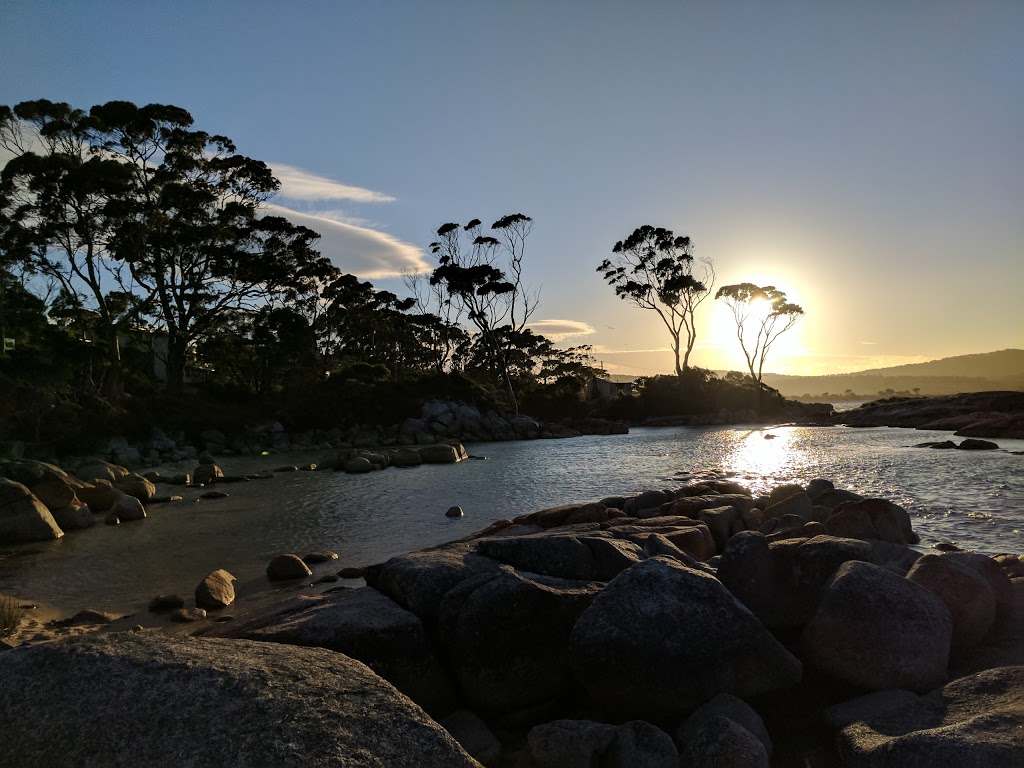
(866, 157)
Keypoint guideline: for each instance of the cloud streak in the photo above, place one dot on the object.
(300, 184)
(361, 251)
(559, 330)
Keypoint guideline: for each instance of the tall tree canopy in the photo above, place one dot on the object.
(484, 275)
(132, 200)
(762, 314)
(653, 268)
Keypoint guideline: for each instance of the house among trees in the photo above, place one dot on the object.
(606, 388)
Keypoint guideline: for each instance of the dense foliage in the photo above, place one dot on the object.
(143, 283)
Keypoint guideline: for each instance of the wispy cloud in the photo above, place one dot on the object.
(559, 330)
(300, 184)
(870, 343)
(361, 251)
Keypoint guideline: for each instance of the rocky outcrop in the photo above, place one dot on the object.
(148, 699)
(976, 414)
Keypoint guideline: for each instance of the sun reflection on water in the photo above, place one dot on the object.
(763, 453)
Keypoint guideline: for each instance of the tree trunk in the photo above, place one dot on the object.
(176, 349)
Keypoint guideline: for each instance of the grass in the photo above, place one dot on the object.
(10, 615)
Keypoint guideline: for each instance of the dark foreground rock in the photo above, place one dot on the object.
(974, 722)
(148, 699)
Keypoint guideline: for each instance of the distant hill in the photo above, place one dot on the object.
(1002, 370)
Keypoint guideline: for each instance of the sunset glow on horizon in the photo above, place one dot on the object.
(865, 159)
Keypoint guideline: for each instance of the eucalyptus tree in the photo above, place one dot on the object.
(59, 212)
(653, 269)
(134, 199)
(484, 274)
(762, 314)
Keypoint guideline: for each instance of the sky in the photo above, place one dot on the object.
(867, 158)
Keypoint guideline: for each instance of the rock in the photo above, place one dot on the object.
(405, 457)
(358, 465)
(87, 617)
(54, 493)
(867, 706)
(731, 707)
(320, 556)
(799, 504)
(23, 517)
(506, 637)
(187, 615)
(284, 567)
(720, 521)
(216, 590)
(473, 735)
(720, 742)
(362, 624)
(74, 517)
(891, 521)
(818, 486)
(352, 572)
(112, 519)
(691, 505)
(661, 639)
(93, 470)
(134, 485)
(973, 444)
(835, 497)
(438, 454)
(165, 603)
(286, 468)
(584, 743)
(876, 630)
(973, 722)
(454, 512)
(287, 705)
(98, 497)
(214, 495)
(418, 580)
(817, 559)
(204, 474)
(747, 570)
(128, 508)
(969, 598)
(988, 569)
(564, 556)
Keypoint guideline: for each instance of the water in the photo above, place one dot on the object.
(972, 498)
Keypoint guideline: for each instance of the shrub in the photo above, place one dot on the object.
(10, 615)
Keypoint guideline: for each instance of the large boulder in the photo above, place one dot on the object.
(973, 722)
(137, 486)
(969, 598)
(584, 743)
(877, 630)
(721, 742)
(130, 699)
(735, 709)
(890, 521)
(418, 580)
(507, 638)
(29, 472)
(23, 517)
(564, 556)
(989, 570)
(361, 623)
(286, 567)
(439, 454)
(662, 638)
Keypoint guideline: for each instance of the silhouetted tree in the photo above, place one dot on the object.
(653, 268)
(757, 330)
(484, 273)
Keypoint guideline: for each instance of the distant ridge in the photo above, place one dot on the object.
(1002, 370)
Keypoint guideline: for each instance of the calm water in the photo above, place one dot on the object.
(975, 499)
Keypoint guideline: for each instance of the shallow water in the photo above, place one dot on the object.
(972, 498)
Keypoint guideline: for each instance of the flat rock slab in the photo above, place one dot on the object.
(973, 722)
(148, 699)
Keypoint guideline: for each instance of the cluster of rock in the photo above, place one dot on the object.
(40, 501)
(697, 626)
(970, 444)
(975, 414)
(439, 422)
(361, 460)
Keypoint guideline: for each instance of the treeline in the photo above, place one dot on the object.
(137, 256)
(144, 282)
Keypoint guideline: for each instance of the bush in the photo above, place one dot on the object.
(10, 615)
